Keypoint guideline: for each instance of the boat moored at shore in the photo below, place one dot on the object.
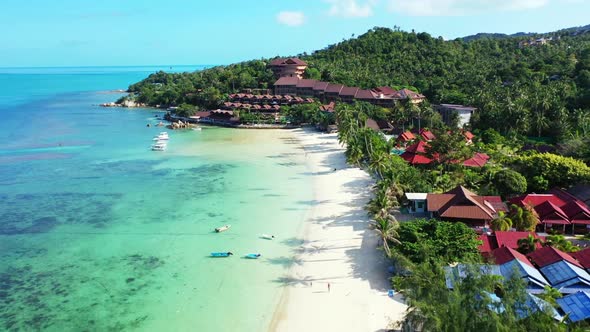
(221, 254)
(222, 228)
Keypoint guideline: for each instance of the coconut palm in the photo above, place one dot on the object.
(387, 230)
(501, 223)
(527, 244)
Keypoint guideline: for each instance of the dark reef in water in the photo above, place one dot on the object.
(68, 297)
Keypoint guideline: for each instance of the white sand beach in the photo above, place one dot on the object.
(339, 280)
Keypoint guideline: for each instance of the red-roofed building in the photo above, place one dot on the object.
(365, 95)
(478, 160)
(332, 91)
(558, 208)
(319, 89)
(506, 254)
(549, 255)
(413, 97)
(305, 87)
(503, 239)
(347, 94)
(468, 136)
(286, 86)
(583, 257)
(289, 67)
(405, 137)
(463, 205)
(415, 154)
(328, 108)
(427, 135)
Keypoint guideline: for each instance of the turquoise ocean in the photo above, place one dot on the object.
(99, 233)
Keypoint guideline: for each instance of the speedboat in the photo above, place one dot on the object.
(163, 136)
(221, 254)
(160, 146)
(222, 228)
(267, 236)
(252, 256)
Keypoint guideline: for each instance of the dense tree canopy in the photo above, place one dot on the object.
(540, 90)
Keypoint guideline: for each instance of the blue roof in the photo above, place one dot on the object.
(455, 273)
(563, 274)
(535, 304)
(577, 306)
(536, 281)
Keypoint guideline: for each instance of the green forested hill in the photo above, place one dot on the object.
(537, 90)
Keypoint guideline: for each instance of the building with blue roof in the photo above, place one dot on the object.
(535, 281)
(576, 306)
(567, 277)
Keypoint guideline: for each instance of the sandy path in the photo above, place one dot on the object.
(338, 250)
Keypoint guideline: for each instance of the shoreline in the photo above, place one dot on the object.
(338, 280)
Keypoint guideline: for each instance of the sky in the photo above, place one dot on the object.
(38, 33)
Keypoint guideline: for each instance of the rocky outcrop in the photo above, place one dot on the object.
(125, 103)
(180, 125)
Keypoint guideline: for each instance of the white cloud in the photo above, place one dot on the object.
(292, 19)
(460, 7)
(351, 8)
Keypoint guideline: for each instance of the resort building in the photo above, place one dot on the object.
(561, 270)
(286, 86)
(450, 112)
(415, 154)
(583, 257)
(557, 208)
(465, 206)
(416, 202)
(405, 138)
(381, 96)
(511, 261)
(491, 242)
(289, 67)
(576, 306)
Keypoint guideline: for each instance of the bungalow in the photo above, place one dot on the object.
(328, 108)
(561, 270)
(576, 306)
(416, 202)
(583, 257)
(558, 207)
(465, 206)
(405, 137)
(415, 154)
(378, 125)
(478, 160)
(499, 239)
(411, 96)
(511, 261)
(427, 135)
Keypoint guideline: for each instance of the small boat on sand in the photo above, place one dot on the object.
(222, 228)
(267, 236)
(221, 254)
(252, 256)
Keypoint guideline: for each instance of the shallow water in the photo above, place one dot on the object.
(97, 232)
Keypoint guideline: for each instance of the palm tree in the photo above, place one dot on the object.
(501, 223)
(387, 230)
(559, 242)
(527, 244)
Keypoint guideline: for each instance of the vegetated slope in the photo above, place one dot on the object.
(512, 85)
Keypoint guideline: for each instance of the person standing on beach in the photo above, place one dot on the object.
(328, 287)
